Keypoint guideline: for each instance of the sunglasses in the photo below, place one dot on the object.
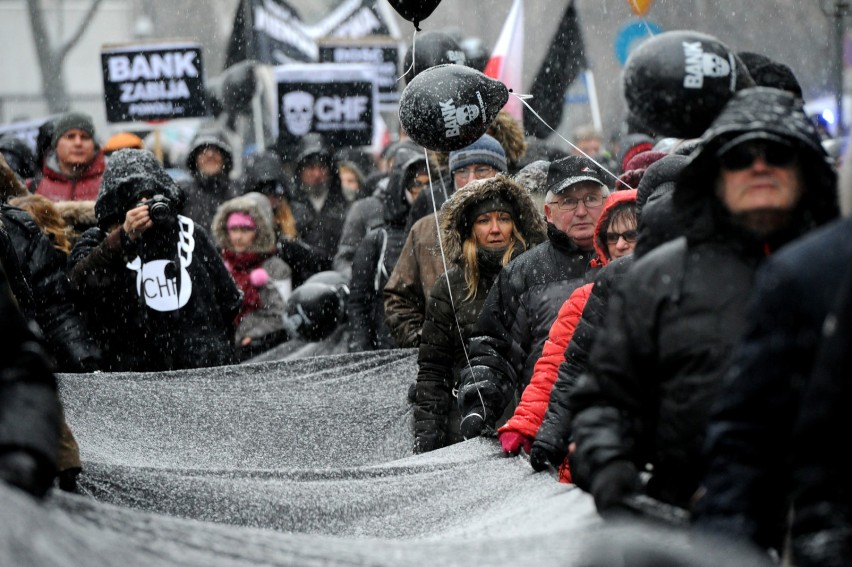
(627, 235)
(742, 156)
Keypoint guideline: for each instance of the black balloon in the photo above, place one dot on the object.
(448, 107)
(429, 49)
(415, 11)
(677, 82)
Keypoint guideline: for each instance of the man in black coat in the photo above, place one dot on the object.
(657, 224)
(525, 299)
(773, 436)
(758, 180)
(322, 210)
(155, 289)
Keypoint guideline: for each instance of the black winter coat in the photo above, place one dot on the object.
(516, 319)
(29, 406)
(773, 433)
(137, 336)
(675, 318)
(670, 327)
(43, 267)
(376, 257)
(442, 353)
(555, 431)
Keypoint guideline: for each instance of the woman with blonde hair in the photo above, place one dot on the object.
(48, 218)
(484, 226)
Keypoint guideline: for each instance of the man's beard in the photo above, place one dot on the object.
(764, 222)
(316, 191)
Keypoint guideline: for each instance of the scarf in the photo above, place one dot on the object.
(240, 265)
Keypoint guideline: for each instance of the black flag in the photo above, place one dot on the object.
(565, 59)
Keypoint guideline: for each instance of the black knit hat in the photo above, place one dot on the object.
(494, 202)
(71, 121)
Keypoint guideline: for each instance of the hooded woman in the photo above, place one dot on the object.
(154, 288)
(244, 232)
(484, 225)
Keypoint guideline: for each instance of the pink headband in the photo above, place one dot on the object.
(240, 219)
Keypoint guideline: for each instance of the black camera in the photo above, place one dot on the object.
(159, 209)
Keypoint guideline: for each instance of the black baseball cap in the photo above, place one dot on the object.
(568, 171)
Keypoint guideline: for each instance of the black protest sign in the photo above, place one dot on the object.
(153, 82)
(383, 53)
(337, 101)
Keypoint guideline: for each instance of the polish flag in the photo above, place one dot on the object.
(506, 62)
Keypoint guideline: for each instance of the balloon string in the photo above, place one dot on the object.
(523, 98)
(413, 50)
(447, 277)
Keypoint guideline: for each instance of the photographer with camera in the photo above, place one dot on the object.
(154, 289)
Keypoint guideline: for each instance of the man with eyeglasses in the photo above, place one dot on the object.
(420, 262)
(525, 299)
(758, 179)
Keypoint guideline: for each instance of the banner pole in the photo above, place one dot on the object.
(593, 100)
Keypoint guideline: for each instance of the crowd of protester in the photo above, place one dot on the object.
(653, 318)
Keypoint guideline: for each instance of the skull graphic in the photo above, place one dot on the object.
(467, 113)
(714, 65)
(298, 108)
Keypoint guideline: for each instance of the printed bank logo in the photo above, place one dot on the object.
(454, 117)
(699, 64)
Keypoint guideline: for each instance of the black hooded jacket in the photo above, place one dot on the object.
(674, 319)
(163, 302)
(204, 193)
(376, 255)
(319, 231)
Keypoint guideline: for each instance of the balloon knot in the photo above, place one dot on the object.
(416, 25)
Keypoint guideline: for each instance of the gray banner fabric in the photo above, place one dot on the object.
(295, 462)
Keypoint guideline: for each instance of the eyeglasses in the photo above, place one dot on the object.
(627, 235)
(242, 228)
(592, 201)
(479, 172)
(743, 155)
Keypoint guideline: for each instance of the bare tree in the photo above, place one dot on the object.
(52, 59)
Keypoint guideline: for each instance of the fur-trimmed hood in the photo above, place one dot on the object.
(454, 225)
(255, 205)
(79, 216)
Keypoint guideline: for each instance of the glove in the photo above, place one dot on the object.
(613, 483)
(512, 442)
(68, 479)
(21, 469)
(544, 456)
(258, 277)
(472, 424)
